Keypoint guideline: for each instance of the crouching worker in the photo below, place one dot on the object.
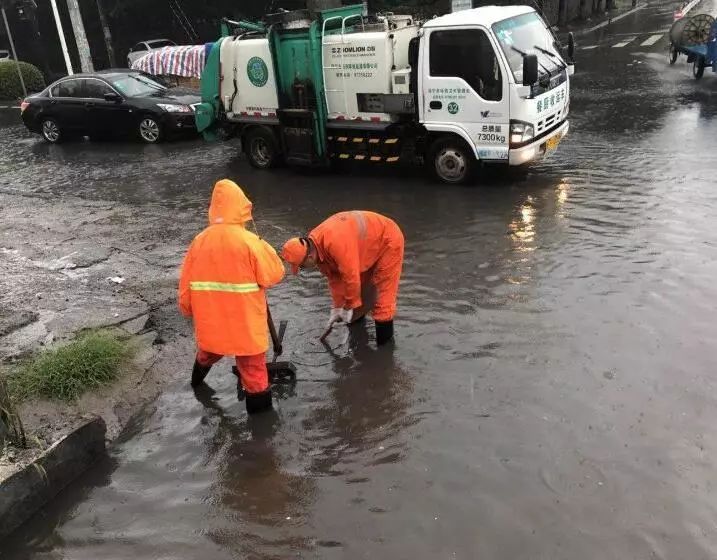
(358, 252)
(222, 287)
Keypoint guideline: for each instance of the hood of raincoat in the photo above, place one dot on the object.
(229, 204)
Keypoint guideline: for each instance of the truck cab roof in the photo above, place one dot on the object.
(486, 15)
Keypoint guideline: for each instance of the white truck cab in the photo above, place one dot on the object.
(487, 85)
(472, 83)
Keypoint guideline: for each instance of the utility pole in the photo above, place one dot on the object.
(61, 33)
(14, 54)
(78, 28)
(107, 34)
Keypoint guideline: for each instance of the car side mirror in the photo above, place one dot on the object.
(530, 69)
(112, 97)
(571, 46)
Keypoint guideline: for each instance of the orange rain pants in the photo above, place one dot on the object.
(252, 369)
(359, 250)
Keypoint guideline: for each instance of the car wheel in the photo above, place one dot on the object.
(673, 54)
(451, 161)
(698, 67)
(50, 130)
(150, 132)
(261, 148)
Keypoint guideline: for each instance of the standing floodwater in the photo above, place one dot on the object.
(551, 393)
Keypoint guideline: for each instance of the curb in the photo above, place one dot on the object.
(26, 491)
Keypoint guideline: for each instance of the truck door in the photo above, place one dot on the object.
(465, 91)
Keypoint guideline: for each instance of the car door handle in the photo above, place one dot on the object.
(436, 105)
(89, 104)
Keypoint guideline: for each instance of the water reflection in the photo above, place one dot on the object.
(368, 405)
(257, 506)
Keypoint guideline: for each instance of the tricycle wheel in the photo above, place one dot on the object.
(698, 67)
(673, 54)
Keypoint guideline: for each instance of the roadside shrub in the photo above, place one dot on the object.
(10, 87)
(65, 373)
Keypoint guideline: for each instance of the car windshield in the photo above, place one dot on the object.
(136, 85)
(527, 33)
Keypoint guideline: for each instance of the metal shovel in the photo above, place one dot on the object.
(279, 372)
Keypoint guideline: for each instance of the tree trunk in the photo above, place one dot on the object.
(318, 5)
(78, 28)
(107, 34)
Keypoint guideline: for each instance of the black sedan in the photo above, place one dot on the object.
(110, 103)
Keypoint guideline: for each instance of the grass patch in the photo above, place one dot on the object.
(90, 361)
(11, 428)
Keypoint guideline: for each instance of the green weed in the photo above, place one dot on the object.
(92, 360)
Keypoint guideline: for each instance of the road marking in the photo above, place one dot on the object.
(590, 47)
(651, 41)
(632, 33)
(611, 20)
(624, 43)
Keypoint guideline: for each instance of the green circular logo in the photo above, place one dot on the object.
(453, 108)
(257, 71)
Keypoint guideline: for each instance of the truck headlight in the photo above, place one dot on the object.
(521, 133)
(172, 108)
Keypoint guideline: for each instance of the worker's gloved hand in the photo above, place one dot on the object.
(340, 315)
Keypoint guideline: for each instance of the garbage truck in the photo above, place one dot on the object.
(487, 85)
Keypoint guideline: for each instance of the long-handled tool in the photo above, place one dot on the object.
(327, 332)
(279, 372)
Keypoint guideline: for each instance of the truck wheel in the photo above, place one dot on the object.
(451, 161)
(673, 54)
(261, 149)
(698, 67)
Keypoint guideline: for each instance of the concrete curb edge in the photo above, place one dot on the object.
(26, 491)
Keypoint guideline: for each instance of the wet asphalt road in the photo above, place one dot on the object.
(551, 394)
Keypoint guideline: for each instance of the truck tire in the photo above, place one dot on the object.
(673, 54)
(698, 67)
(451, 161)
(261, 148)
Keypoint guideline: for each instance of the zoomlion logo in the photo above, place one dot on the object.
(257, 71)
(453, 108)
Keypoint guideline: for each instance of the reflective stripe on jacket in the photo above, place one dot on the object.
(224, 277)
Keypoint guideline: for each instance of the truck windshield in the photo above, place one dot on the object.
(526, 33)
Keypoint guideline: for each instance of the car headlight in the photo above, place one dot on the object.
(172, 108)
(521, 133)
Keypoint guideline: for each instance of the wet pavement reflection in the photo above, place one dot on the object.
(551, 391)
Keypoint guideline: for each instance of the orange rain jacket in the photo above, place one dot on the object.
(224, 277)
(360, 243)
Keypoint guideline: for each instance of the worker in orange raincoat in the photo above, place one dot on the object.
(355, 250)
(222, 287)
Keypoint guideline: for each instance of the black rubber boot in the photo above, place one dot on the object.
(384, 332)
(199, 373)
(258, 402)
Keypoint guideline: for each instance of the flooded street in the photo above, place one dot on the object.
(551, 393)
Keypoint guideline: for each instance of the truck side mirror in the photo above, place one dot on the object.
(571, 46)
(530, 69)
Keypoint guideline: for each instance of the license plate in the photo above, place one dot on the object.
(553, 142)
